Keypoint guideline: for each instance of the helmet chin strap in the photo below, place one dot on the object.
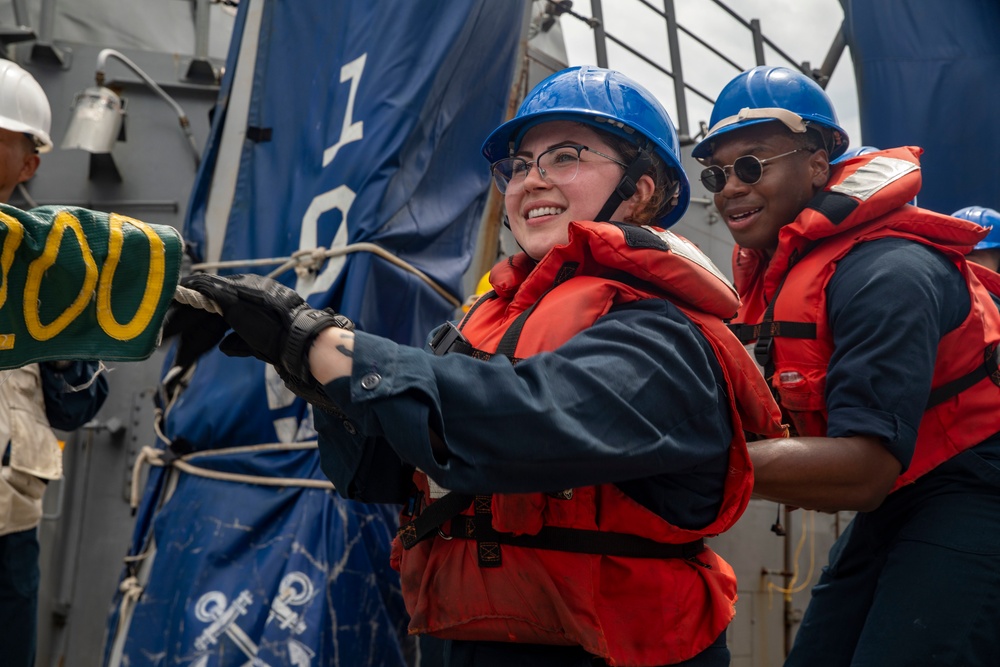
(506, 223)
(627, 186)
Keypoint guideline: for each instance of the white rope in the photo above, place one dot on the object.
(154, 457)
(310, 261)
(190, 297)
(252, 449)
(131, 591)
(238, 263)
(101, 368)
(146, 454)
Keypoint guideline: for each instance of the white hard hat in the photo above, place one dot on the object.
(24, 106)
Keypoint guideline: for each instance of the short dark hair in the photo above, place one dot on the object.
(817, 138)
(32, 141)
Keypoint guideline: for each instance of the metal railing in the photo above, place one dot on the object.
(674, 30)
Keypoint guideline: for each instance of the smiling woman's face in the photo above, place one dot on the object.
(540, 212)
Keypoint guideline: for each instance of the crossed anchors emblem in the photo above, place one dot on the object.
(295, 590)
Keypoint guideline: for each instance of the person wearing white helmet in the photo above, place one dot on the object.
(25, 120)
(881, 345)
(588, 414)
(34, 399)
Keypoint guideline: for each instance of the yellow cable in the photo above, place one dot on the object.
(792, 588)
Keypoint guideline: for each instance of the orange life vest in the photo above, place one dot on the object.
(990, 279)
(784, 305)
(628, 610)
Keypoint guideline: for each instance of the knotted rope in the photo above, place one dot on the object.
(307, 262)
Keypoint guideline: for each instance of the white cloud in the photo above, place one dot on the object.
(804, 29)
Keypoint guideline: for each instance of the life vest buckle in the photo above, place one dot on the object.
(449, 339)
(762, 351)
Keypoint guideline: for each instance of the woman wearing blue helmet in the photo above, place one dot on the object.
(623, 114)
(565, 450)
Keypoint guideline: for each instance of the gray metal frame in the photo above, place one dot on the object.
(674, 30)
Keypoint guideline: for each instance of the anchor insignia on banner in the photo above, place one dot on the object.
(295, 590)
(212, 608)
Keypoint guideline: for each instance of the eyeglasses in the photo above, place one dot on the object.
(558, 166)
(748, 168)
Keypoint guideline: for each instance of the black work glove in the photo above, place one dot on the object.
(198, 331)
(272, 323)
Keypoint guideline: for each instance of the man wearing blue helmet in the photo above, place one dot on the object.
(566, 449)
(872, 329)
(985, 256)
(854, 152)
(986, 252)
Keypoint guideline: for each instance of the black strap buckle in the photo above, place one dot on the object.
(762, 350)
(430, 519)
(449, 339)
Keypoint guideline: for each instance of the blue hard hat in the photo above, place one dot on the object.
(855, 152)
(984, 217)
(606, 100)
(767, 95)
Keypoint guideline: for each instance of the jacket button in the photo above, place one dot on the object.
(349, 427)
(371, 381)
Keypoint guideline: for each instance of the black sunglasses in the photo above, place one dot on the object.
(748, 168)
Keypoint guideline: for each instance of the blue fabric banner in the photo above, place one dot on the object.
(366, 131)
(928, 75)
(268, 575)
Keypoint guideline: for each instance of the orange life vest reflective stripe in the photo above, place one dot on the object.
(862, 202)
(629, 611)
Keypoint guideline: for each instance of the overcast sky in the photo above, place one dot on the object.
(804, 29)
